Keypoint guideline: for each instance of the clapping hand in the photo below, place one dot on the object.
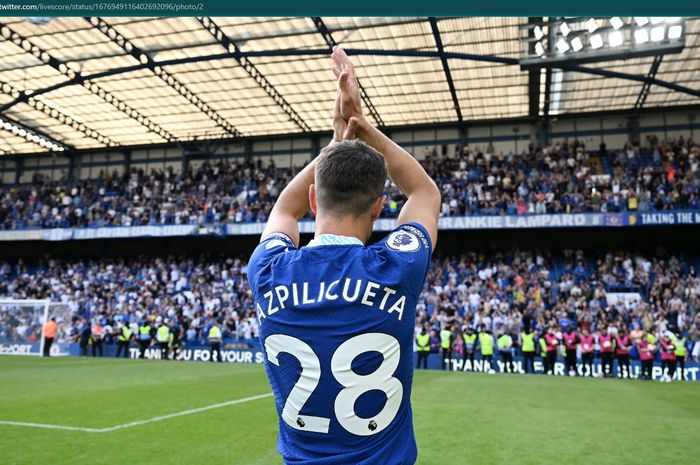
(348, 107)
(342, 130)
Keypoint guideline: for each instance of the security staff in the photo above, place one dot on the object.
(552, 346)
(97, 338)
(446, 347)
(215, 341)
(681, 354)
(607, 351)
(587, 346)
(505, 345)
(84, 337)
(176, 337)
(423, 345)
(668, 357)
(163, 338)
(646, 346)
(124, 339)
(144, 337)
(570, 339)
(527, 346)
(622, 353)
(486, 345)
(469, 347)
(49, 336)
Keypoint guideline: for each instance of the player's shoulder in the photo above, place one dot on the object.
(404, 252)
(274, 240)
(406, 240)
(272, 248)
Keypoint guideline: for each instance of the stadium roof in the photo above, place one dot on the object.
(87, 83)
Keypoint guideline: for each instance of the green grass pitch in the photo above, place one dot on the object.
(460, 418)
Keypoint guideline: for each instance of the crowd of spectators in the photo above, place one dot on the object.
(196, 292)
(501, 292)
(212, 193)
(504, 293)
(564, 177)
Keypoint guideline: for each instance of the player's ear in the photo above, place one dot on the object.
(378, 206)
(312, 198)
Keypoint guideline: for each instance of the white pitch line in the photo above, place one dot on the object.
(45, 426)
(136, 423)
(185, 412)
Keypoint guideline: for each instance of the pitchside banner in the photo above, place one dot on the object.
(114, 232)
(561, 220)
(692, 369)
(202, 353)
(34, 348)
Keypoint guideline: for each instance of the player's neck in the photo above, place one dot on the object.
(346, 226)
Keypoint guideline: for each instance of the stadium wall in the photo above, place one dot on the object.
(677, 239)
(450, 223)
(507, 136)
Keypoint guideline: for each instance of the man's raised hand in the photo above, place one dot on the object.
(423, 204)
(343, 130)
(350, 103)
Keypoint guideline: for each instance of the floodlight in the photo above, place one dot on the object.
(538, 32)
(641, 36)
(562, 45)
(616, 22)
(657, 33)
(565, 29)
(575, 40)
(576, 44)
(592, 25)
(675, 32)
(596, 41)
(615, 38)
(539, 49)
(29, 135)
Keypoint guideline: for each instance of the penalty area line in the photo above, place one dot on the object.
(135, 423)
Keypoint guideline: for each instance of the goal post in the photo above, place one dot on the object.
(22, 322)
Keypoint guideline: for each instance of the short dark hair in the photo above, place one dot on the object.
(350, 176)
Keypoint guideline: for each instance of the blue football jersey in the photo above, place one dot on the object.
(336, 326)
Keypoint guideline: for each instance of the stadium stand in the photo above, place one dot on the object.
(565, 177)
(503, 292)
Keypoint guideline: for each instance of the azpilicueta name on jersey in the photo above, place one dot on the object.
(368, 293)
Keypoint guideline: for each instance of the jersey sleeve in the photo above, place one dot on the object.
(409, 248)
(264, 255)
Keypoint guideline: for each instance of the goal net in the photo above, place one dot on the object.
(22, 322)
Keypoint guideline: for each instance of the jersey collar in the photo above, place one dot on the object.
(332, 239)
